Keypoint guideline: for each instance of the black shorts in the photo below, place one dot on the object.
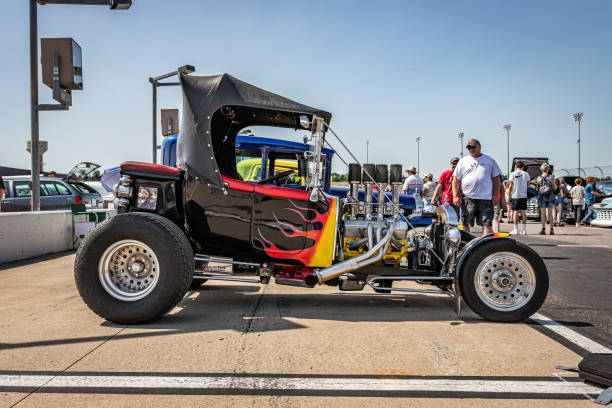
(519, 204)
(480, 211)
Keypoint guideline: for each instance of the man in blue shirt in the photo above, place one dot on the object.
(591, 193)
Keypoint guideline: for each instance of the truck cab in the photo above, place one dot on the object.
(258, 158)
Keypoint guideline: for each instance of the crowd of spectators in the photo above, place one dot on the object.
(473, 186)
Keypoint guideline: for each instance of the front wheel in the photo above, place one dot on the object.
(134, 267)
(504, 281)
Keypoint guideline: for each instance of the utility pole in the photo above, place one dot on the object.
(185, 69)
(507, 126)
(367, 151)
(34, 107)
(418, 140)
(578, 118)
(460, 136)
(34, 155)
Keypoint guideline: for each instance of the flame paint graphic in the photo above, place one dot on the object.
(319, 232)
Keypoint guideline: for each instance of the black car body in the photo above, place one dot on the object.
(139, 264)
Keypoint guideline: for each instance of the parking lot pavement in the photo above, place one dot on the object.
(234, 344)
(578, 261)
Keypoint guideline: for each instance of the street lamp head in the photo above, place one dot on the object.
(418, 139)
(578, 117)
(187, 69)
(507, 126)
(120, 4)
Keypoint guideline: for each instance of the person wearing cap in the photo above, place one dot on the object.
(428, 188)
(445, 185)
(477, 177)
(413, 183)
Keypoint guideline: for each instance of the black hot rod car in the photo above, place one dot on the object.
(139, 264)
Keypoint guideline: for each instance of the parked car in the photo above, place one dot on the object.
(603, 213)
(139, 264)
(55, 194)
(605, 188)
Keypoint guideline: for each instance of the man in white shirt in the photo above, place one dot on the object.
(428, 188)
(413, 183)
(477, 177)
(517, 184)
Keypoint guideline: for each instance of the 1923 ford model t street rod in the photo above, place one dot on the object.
(139, 264)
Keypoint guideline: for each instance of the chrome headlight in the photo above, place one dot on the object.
(429, 209)
(453, 235)
(122, 191)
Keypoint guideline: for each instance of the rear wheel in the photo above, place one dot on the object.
(134, 268)
(504, 281)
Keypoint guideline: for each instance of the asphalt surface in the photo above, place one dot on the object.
(266, 345)
(580, 293)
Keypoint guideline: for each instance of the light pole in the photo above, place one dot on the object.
(185, 69)
(418, 140)
(460, 136)
(578, 118)
(34, 106)
(367, 151)
(507, 126)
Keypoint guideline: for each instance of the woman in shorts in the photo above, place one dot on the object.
(546, 197)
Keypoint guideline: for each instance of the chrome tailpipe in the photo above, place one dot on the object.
(375, 253)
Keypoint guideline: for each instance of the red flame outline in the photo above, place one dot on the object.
(306, 254)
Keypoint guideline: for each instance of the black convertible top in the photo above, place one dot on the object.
(215, 109)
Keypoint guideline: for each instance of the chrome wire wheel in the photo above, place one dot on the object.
(505, 281)
(128, 270)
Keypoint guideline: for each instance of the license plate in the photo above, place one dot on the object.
(218, 266)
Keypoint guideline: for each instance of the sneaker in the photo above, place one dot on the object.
(524, 230)
(551, 232)
(514, 232)
(542, 231)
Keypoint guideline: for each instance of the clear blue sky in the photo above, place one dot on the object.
(388, 72)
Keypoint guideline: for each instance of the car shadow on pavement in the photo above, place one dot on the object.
(218, 307)
(248, 309)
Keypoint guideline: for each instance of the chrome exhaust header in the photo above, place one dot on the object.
(374, 254)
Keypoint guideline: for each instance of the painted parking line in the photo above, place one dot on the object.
(570, 335)
(229, 384)
(582, 245)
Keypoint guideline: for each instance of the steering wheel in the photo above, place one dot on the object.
(276, 177)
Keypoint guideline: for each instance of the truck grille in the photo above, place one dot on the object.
(603, 214)
(532, 208)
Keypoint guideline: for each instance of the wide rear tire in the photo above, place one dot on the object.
(504, 281)
(134, 268)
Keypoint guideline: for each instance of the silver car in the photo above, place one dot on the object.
(55, 194)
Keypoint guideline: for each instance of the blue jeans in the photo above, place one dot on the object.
(589, 215)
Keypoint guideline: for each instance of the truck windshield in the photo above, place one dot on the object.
(248, 164)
